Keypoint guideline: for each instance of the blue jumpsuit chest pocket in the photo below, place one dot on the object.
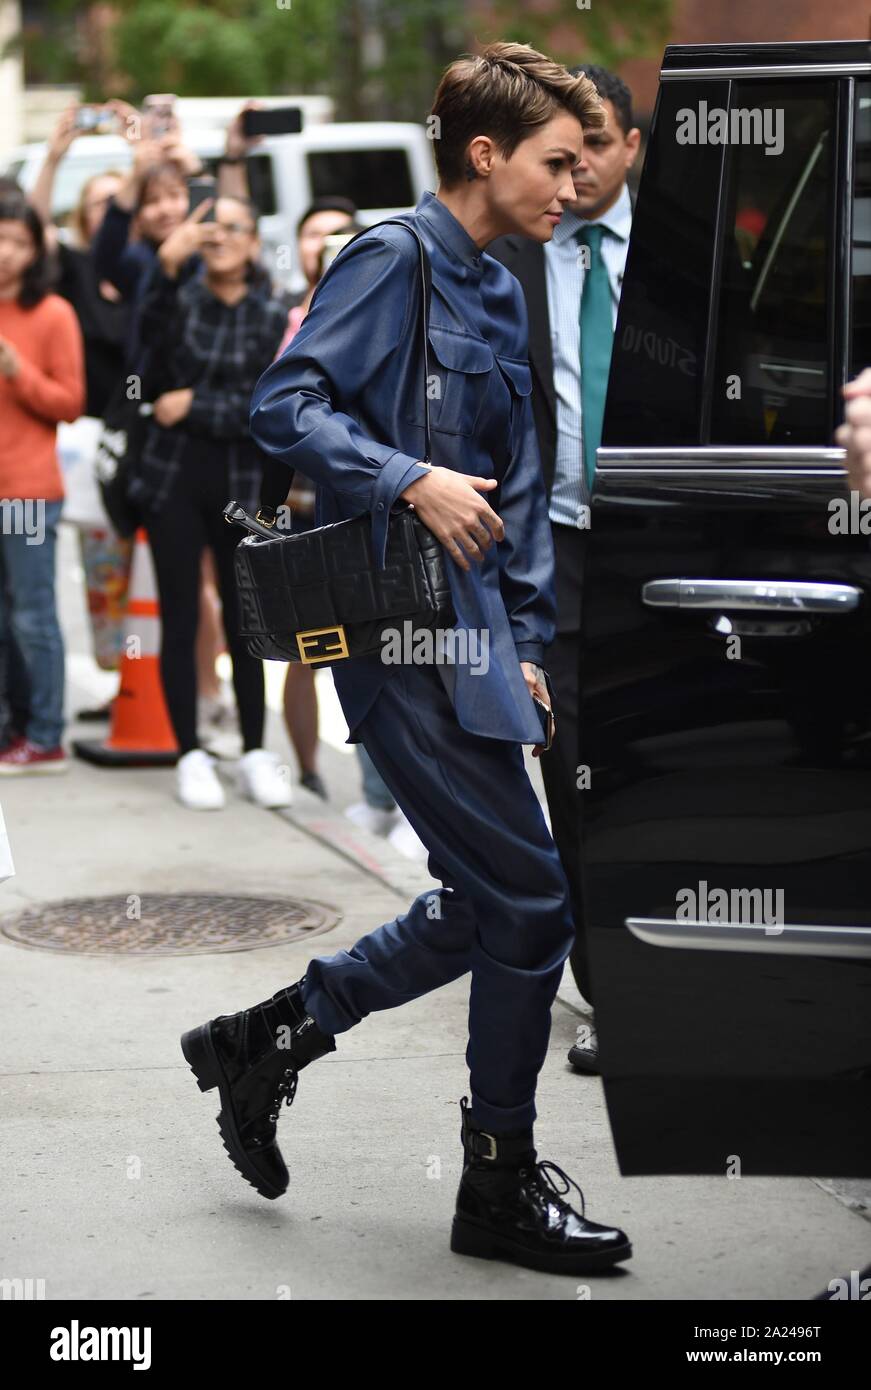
(459, 378)
(517, 373)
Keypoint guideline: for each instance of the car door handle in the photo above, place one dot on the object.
(760, 595)
(851, 943)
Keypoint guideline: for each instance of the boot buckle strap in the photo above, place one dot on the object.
(483, 1145)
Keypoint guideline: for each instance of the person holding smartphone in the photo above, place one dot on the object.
(209, 335)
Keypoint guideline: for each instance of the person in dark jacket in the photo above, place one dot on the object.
(572, 289)
(209, 334)
(345, 404)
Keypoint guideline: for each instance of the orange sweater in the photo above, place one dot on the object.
(49, 387)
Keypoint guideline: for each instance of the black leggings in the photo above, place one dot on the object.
(189, 520)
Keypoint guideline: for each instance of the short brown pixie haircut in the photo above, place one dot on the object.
(507, 92)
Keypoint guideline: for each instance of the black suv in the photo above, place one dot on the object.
(726, 653)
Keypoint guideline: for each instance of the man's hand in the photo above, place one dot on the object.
(450, 505)
(173, 406)
(855, 434)
(537, 687)
(186, 240)
(9, 360)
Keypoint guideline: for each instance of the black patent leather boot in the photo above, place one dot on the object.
(254, 1058)
(509, 1208)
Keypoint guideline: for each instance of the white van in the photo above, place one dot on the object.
(382, 166)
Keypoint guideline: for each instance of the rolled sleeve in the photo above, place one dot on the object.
(530, 651)
(396, 475)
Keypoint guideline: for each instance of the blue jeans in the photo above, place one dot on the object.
(503, 912)
(28, 617)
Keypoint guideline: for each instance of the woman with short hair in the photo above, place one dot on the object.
(345, 404)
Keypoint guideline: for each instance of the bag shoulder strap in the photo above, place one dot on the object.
(273, 481)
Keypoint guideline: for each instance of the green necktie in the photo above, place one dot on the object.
(597, 337)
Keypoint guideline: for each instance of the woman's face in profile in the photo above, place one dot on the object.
(528, 192)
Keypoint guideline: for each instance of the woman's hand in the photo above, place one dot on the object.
(145, 154)
(186, 240)
(173, 406)
(449, 504)
(129, 120)
(537, 687)
(9, 360)
(63, 135)
(237, 143)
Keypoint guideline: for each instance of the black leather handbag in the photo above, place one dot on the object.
(317, 597)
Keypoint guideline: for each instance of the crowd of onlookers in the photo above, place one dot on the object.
(142, 286)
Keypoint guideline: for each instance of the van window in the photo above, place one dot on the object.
(72, 175)
(261, 184)
(658, 357)
(370, 178)
(13, 169)
(772, 379)
(860, 347)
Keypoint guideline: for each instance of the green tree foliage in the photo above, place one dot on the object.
(375, 57)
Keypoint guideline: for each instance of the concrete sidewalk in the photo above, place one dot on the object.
(115, 1181)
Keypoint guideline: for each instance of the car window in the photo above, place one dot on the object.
(772, 379)
(12, 170)
(860, 346)
(73, 174)
(370, 178)
(658, 357)
(261, 184)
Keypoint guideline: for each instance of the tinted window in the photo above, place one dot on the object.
(772, 379)
(370, 178)
(260, 183)
(73, 174)
(657, 365)
(861, 262)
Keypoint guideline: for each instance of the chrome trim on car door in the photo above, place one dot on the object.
(752, 595)
(772, 70)
(853, 943)
(722, 456)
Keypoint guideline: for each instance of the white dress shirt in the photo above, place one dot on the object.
(565, 285)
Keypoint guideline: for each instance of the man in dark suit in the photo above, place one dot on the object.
(572, 289)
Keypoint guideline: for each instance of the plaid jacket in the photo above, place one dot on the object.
(193, 339)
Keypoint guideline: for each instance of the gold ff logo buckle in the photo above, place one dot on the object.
(324, 650)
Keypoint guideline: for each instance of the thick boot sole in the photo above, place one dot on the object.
(467, 1238)
(200, 1055)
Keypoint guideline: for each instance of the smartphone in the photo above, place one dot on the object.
(275, 120)
(198, 191)
(333, 245)
(159, 109)
(548, 724)
(93, 118)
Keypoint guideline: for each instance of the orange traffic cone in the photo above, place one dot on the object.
(141, 733)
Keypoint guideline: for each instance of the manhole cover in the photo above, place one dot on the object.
(167, 924)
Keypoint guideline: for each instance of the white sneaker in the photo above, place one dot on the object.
(197, 784)
(404, 838)
(373, 818)
(262, 780)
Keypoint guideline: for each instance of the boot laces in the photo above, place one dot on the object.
(285, 1091)
(542, 1180)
